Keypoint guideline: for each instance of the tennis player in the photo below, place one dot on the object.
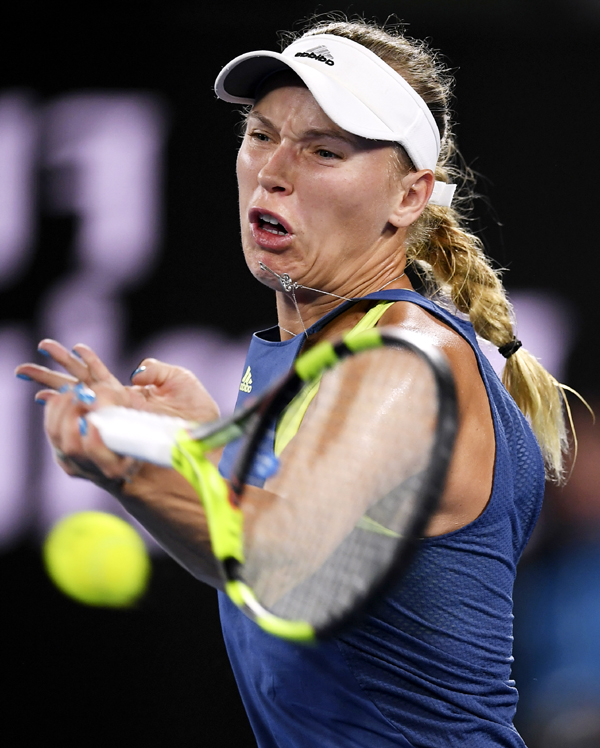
(346, 174)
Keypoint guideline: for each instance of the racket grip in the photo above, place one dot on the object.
(136, 433)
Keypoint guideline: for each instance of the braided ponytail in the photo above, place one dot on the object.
(450, 258)
(453, 261)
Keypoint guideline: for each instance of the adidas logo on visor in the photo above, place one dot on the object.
(321, 53)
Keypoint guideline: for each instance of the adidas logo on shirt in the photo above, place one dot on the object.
(321, 53)
(246, 383)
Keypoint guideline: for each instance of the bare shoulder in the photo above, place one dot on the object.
(459, 353)
(470, 477)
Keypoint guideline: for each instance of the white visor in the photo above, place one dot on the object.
(354, 87)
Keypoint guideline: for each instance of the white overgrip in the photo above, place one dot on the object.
(136, 433)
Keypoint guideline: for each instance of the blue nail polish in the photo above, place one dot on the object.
(137, 371)
(84, 394)
(39, 401)
(83, 427)
(43, 352)
(65, 388)
(25, 377)
(77, 356)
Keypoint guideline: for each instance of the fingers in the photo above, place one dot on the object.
(151, 371)
(98, 371)
(43, 396)
(57, 382)
(111, 465)
(82, 365)
(44, 376)
(70, 362)
(61, 423)
(173, 390)
(68, 396)
(76, 443)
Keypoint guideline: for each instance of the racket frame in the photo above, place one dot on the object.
(307, 367)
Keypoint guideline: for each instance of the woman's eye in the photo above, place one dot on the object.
(324, 153)
(260, 136)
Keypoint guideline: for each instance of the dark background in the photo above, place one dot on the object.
(527, 90)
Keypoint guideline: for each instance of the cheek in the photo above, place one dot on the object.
(360, 205)
(247, 170)
(241, 169)
(246, 187)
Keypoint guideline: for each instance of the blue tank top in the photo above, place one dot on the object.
(431, 665)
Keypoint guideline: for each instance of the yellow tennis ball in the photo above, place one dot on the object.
(98, 559)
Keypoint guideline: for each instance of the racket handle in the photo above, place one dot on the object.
(136, 433)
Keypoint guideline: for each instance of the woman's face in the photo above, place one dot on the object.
(315, 201)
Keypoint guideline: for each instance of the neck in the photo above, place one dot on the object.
(299, 307)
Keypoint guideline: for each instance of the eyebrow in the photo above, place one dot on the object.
(326, 132)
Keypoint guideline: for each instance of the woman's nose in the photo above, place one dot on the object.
(276, 174)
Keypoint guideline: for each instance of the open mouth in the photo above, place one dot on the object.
(271, 224)
(268, 222)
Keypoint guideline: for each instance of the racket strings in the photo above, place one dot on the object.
(346, 489)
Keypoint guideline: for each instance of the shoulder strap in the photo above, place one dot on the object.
(371, 318)
(292, 416)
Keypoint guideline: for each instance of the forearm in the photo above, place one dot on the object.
(165, 504)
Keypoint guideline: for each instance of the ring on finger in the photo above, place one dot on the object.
(84, 394)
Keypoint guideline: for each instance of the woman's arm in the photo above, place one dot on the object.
(159, 498)
(470, 476)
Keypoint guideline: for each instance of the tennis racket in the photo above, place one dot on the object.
(350, 452)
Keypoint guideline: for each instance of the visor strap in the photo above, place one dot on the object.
(442, 194)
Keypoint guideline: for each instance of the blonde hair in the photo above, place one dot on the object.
(449, 257)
